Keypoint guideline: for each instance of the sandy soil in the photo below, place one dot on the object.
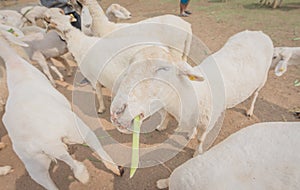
(274, 103)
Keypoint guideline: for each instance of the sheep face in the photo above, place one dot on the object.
(57, 20)
(149, 85)
(281, 65)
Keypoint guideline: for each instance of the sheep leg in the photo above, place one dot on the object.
(164, 120)
(60, 152)
(92, 141)
(38, 57)
(275, 4)
(250, 111)
(37, 167)
(100, 98)
(201, 138)
(54, 68)
(66, 64)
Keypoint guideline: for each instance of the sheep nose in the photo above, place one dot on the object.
(118, 112)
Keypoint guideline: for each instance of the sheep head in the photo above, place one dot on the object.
(151, 82)
(57, 20)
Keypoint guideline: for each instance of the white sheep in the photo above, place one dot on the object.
(43, 46)
(3, 86)
(117, 64)
(284, 56)
(32, 14)
(46, 46)
(243, 63)
(11, 18)
(114, 13)
(261, 156)
(46, 120)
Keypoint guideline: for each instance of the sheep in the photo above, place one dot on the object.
(260, 156)
(119, 63)
(33, 13)
(101, 26)
(42, 48)
(11, 18)
(46, 120)
(284, 56)
(46, 46)
(3, 86)
(272, 3)
(114, 13)
(149, 80)
(52, 48)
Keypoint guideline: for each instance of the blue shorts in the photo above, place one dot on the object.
(184, 1)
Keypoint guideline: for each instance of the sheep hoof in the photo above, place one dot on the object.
(101, 111)
(81, 173)
(159, 128)
(121, 169)
(62, 79)
(249, 113)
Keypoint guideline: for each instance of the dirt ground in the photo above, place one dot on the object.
(275, 102)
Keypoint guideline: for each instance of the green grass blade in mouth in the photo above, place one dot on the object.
(135, 146)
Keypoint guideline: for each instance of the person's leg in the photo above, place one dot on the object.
(185, 9)
(183, 5)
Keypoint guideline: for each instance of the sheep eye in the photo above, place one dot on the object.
(162, 69)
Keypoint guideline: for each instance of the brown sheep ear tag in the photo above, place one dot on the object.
(72, 19)
(191, 77)
(195, 78)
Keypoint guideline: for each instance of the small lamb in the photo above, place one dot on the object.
(261, 156)
(284, 56)
(45, 122)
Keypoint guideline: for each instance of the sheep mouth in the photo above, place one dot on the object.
(128, 127)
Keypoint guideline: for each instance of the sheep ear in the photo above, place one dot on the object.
(118, 14)
(280, 68)
(186, 70)
(10, 37)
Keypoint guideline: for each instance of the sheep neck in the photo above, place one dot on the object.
(78, 43)
(17, 69)
(100, 23)
(6, 52)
